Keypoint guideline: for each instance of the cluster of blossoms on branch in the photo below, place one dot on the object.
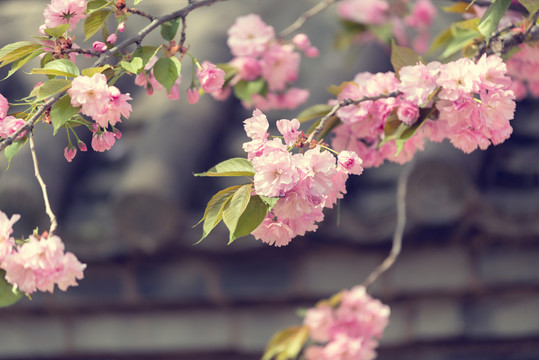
(8, 123)
(466, 102)
(36, 263)
(348, 331)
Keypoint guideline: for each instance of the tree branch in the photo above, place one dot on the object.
(306, 16)
(140, 13)
(399, 227)
(137, 38)
(48, 209)
(342, 104)
(486, 3)
(503, 43)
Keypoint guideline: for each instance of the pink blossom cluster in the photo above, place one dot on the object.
(304, 182)
(147, 80)
(36, 264)
(104, 104)
(348, 331)
(524, 70)
(259, 55)
(60, 12)
(409, 19)
(474, 103)
(8, 123)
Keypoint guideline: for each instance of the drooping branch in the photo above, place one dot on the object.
(137, 38)
(342, 104)
(306, 16)
(399, 227)
(37, 174)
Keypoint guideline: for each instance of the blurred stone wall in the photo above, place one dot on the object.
(464, 287)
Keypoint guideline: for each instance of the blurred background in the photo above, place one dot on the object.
(464, 287)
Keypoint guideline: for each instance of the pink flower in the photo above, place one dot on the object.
(319, 320)
(4, 106)
(6, 228)
(91, 93)
(70, 152)
(273, 232)
(102, 142)
(99, 46)
(280, 65)
(112, 38)
(407, 112)
(121, 27)
(10, 125)
(365, 12)
(349, 162)
(192, 95)
(257, 126)
(458, 78)
(302, 42)
(422, 14)
(114, 108)
(275, 173)
(211, 77)
(82, 146)
(249, 36)
(289, 130)
(249, 68)
(418, 82)
(60, 12)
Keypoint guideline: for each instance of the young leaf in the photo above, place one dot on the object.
(57, 31)
(313, 112)
(531, 5)
(137, 1)
(214, 210)
(50, 88)
(9, 48)
(146, 53)
(8, 296)
(403, 56)
(166, 71)
(12, 150)
(235, 208)
(491, 18)
(460, 8)
(461, 38)
(94, 70)
(252, 216)
(95, 21)
(269, 201)
(134, 66)
(20, 63)
(96, 5)
(336, 89)
(231, 167)
(60, 67)
(169, 29)
(18, 53)
(61, 112)
(286, 344)
(243, 90)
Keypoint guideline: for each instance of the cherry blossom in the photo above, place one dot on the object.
(60, 12)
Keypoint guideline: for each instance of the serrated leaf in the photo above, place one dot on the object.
(286, 344)
(491, 18)
(243, 90)
(95, 5)
(170, 28)
(61, 112)
(60, 67)
(94, 70)
(50, 87)
(166, 71)
(336, 89)
(8, 296)
(231, 167)
(531, 5)
(57, 31)
(12, 150)
(213, 213)
(251, 218)
(18, 54)
(402, 56)
(95, 21)
(134, 66)
(235, 208)
(313, 112)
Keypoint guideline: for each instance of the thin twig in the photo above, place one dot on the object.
(140, 13)
(82, 51)
(137, 38)
(486, 3)
(399, 227)
(342, 104)
(48, 209)
(306, 16)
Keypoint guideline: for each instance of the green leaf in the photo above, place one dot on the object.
(12, 150)
(57, 31)
(146, 53)
(243, 90)
(50, 88)
(20, 63)
(18, 54)
(60, 67)
(8, 296)
(61, 112)
(95, 5)
(134, 66)
(137, 2)
(460, 40)
(94, 70)
(270, 201)
(213, 213)
(95, 21)
(252, 216)
(12, 47)
(459, 8)
(402, 56)
(313, 112)
(231, 167)
(166, 71)
(286, 344)
(531, 5)
(491, 18)
(399, 131)
(170, 28)
(235, 208)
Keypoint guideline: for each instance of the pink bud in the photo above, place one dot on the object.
(111, 39)
(211, 77)
(82, 145)
(121, 27)
(192, 95)
(117, 134)
(99, 46)
(69, 153)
